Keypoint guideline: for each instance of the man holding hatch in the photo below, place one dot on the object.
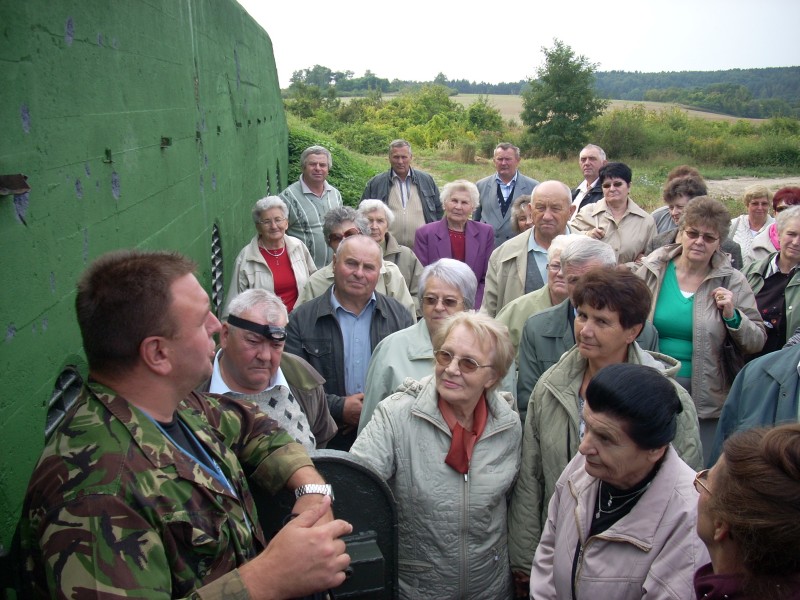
(141, 491)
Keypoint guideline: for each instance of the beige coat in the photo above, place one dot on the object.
(628, 237)
(514, 314)
(452, 527)
(250, 271)
(505, 275)
(407, 262)
(708, 382)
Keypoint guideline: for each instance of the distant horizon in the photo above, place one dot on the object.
(379, 75)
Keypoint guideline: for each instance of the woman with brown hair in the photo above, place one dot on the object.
(698, 301)
(748, 516)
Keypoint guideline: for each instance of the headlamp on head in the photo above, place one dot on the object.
(271, 332)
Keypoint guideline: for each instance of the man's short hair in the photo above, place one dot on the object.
(315, 150)
(123, 298)
(400, 144)
(270, 306)
(507, 146)
(600, 151)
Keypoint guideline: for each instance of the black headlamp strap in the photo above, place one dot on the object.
(271, 332)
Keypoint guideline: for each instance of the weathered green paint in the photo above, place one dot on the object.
(83, 77)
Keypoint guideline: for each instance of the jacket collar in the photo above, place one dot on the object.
(640, 526)
(153, 444)
(426, 406)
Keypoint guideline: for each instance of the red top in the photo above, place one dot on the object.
(283, 279)
(458, 242)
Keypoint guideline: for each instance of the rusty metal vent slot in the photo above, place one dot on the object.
(66, 391)
(217, 273)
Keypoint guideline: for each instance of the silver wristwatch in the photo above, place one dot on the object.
(323, 489)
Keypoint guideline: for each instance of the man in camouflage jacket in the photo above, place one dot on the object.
(142, 490)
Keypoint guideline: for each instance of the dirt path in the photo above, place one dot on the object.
(734, 188)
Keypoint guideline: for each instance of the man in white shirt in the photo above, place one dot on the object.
(591, 159)
(252, 365)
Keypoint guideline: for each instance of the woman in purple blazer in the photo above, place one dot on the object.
(456, 236)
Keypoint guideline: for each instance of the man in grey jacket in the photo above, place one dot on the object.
(337, 331)
(410, 193)
(498, 191)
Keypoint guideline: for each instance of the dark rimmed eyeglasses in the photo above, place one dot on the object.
(610, 184)
(701, 481)
(465, 365)
(434, 300)
(693, 234)
(338, 237)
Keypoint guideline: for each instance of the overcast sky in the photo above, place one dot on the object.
(465, 40)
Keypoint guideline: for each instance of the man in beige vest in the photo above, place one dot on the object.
(412, 194)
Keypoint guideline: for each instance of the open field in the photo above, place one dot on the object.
(511, 107)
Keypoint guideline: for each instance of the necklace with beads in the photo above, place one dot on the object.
(276, 254)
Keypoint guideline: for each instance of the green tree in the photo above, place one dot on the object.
(559, 106)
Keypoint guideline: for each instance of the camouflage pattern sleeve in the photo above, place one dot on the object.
(268, 454)
(114, 510)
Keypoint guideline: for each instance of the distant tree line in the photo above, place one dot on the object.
(757, 93)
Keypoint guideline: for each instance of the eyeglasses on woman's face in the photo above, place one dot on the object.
(446, 302)
(701, 481)
(693, 234)
(465, 365)
(335, 238)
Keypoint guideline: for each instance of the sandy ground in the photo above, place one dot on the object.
(734, 188)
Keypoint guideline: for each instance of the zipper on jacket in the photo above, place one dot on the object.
(464, 569)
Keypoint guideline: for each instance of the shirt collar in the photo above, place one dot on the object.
(337, 305)
(307, 190)
(218, 385)
(512, 182)
(396, 176)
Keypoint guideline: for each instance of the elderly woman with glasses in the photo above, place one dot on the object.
(457, 235)
(699, 300)
(449, 448)
(446, 287)
(272, 260)
(616, 219)
(620, 523)
(768, 241)
(341, 223)
(748, 516)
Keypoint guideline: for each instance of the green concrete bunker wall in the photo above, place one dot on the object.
(138, 124)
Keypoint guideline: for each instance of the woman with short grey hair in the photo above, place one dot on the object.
(380, 217)
(446, 287)
(272, 260)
